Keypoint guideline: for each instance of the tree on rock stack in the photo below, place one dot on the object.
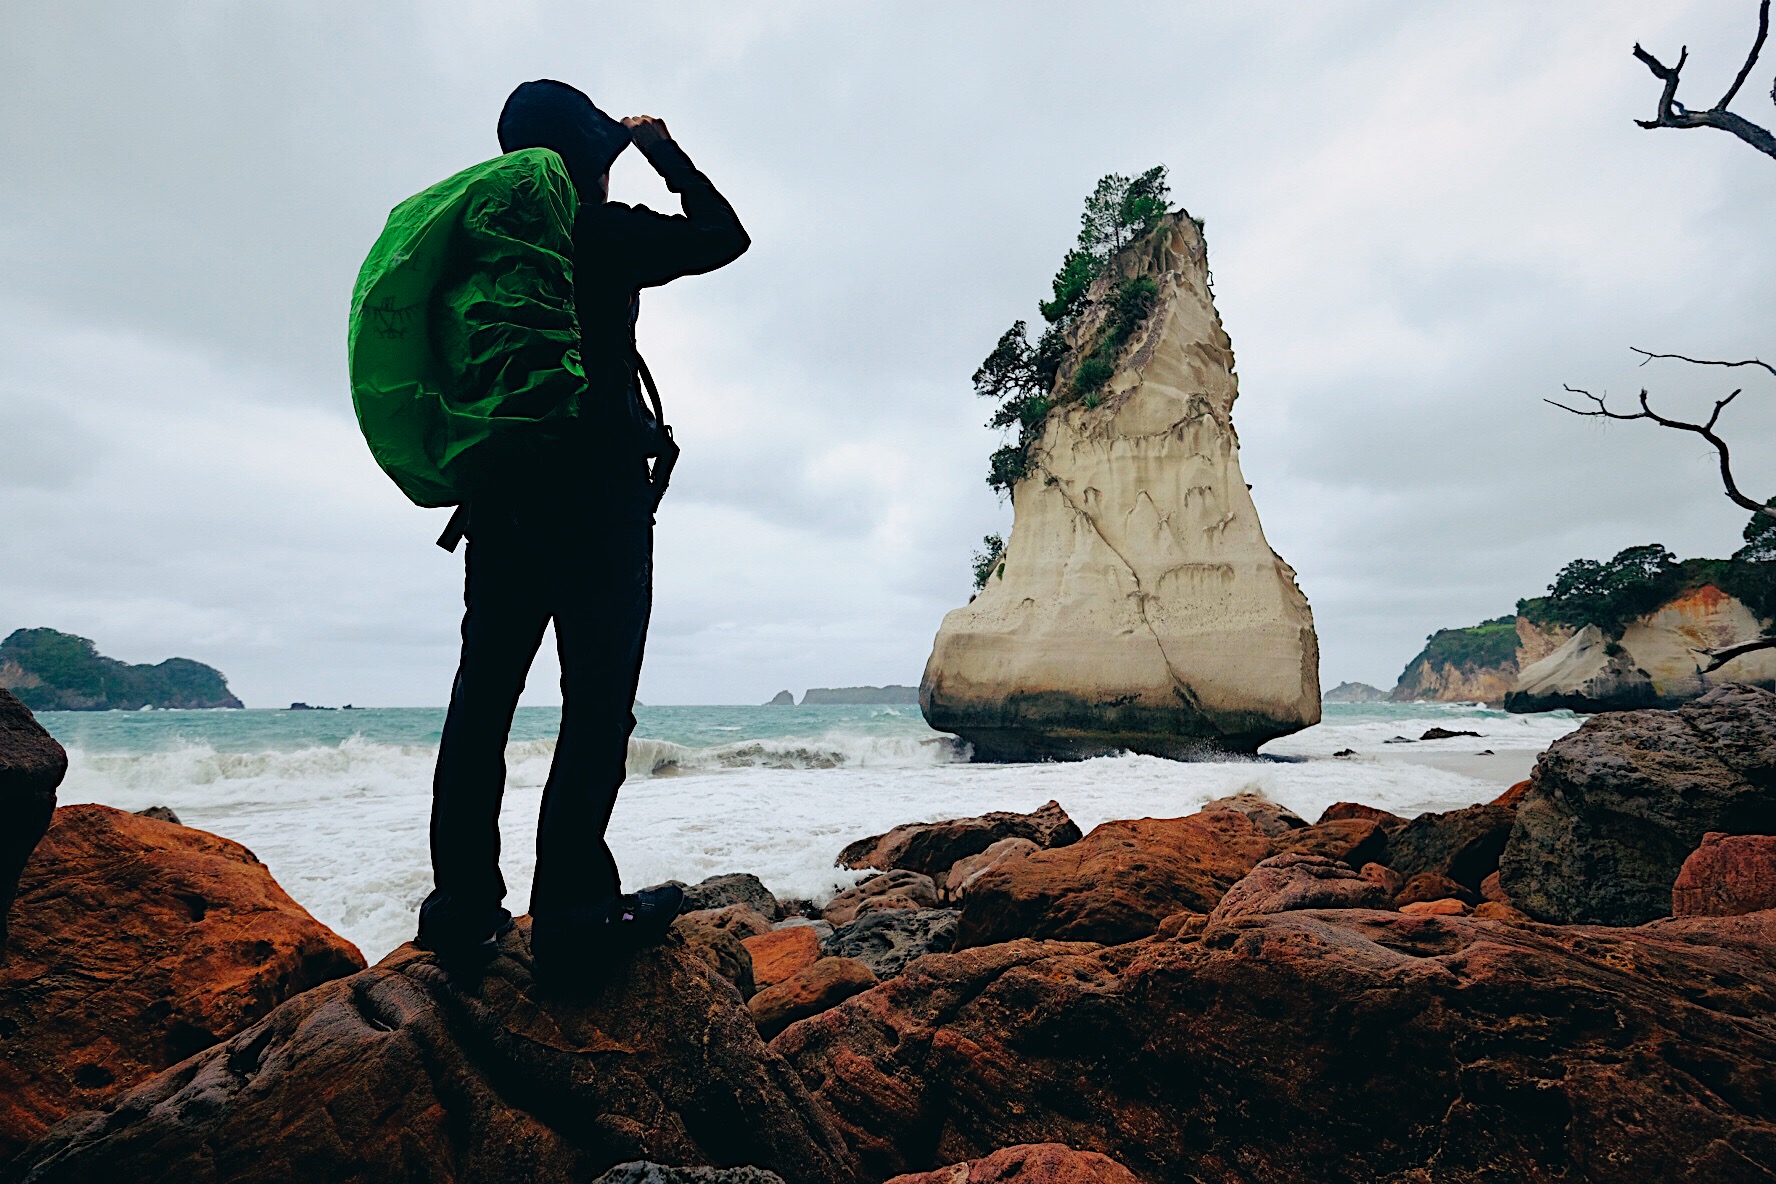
(1136, 604)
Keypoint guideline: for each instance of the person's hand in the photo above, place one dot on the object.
(645, 130)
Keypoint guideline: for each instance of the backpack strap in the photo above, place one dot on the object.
(454, 529)
(667, 459)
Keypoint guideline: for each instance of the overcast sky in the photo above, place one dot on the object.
(1422, 219)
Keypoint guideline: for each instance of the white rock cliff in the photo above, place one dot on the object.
(1138, 606)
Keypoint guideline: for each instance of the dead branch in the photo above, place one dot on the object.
(1720, 657)
(1672, 113)
(1647, 356)
(1705, 430)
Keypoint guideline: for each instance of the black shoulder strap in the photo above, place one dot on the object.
(661, 476)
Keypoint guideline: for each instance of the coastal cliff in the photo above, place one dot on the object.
(1138, 605)
(53, 671)
(1478, 664)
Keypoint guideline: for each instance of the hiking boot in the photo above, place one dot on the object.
(578, 942)
(458, 935)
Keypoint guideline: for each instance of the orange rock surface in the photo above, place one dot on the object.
(782, 953)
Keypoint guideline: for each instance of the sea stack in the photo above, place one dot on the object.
(1138, 606)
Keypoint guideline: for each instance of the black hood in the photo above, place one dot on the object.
(550, 114)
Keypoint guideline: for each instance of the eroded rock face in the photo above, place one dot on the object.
(1614, 809)
(932, 848)
(1116, 884)
(1463, 845)
(1139, 606)
(136, 943)
(809, 991)
(1629, 1055)
(1653, 664)
(1029, 1163)
(406, 1072)
(32, 764)
(1290, 882)
(1725, 876)
(887, 941)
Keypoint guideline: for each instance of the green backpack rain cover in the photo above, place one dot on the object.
(464, 348)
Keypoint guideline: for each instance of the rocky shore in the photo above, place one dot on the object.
(1574, 982)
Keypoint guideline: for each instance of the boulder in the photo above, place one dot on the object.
(842, 909)
(825, 984)
(408, 1072)
(1614, 808)
(1491, 889)
(136, 943)
(1355, 841)
(1444, 734)
(1446, 907)
(1652, 664)
(1185, 924)
(932, 848)
(32, 764)
(1383, 875)
(1376, 1046)
(164, 813)
(1117, 883)
(890, 902)
(782, 953)
(742, 920)
(735, 888)
(1431, 886)
(1139, 606)
(1339, 811)
(721, 949)
(1463, 845)
(1266, 815)
(1293, 881)
(964, 871)
(1495, 910)
(1512, 796)
(887, 942)
(1725, 876)
(1028, 1163)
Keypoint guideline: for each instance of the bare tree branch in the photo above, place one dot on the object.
(1705, 430)
(1647, 356)
(1720, 657)
(1672, 113)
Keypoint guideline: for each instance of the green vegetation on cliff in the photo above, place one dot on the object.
(1490, 643)
(53, 671)
(1022, 377)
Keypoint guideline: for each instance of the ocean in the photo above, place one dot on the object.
(336, 802)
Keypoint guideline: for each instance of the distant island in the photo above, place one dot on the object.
(1354, 692)
(835, 696)
(53, 671)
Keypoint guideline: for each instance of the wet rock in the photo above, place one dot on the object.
(1725, 876)
(1265, 814)
(1028, 1163)
(1444, 734)
(887, 942)
(735, 888)
(1345, 752)
(1342, 810)
(932, 848)
(964, 871)
(163, 813)
(1117, 883)
(1378, 1046)
(823, 985)
(1293, 881)
(1615, 808)
(782, 953)
(1463, 845)
(32, 764)
(136, 943)
(914, 886)
(407, 1072)
(1354, 841)
(1431, 886)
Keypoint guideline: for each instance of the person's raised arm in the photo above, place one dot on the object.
(706, 236)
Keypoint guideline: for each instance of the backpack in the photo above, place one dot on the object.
(463, 348)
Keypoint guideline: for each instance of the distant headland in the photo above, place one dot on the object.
(53, 671)
(847, 696)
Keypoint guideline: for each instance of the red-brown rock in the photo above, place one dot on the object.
(782, 953)
(1029, 1163)
(742, 920)
(720, 945)
(963, 872)
(913, 886)
(1430, 886)
(1494, 910)
(1339, 811)
(1449, 906)
(1463, 845)
(1512, 796)
(32, 764)
(1272, 818)
(1354, 841)
(932, 848)
(1491, 889)
(1725, 876)
(1292, 881)
(1117, 883)
(810, 991)
(1375, 1046)
(136, 943)
(407, 1072)
(1386, 876)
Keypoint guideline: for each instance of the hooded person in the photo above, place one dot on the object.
(565, 536)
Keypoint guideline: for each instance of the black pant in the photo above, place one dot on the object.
(588, 567)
